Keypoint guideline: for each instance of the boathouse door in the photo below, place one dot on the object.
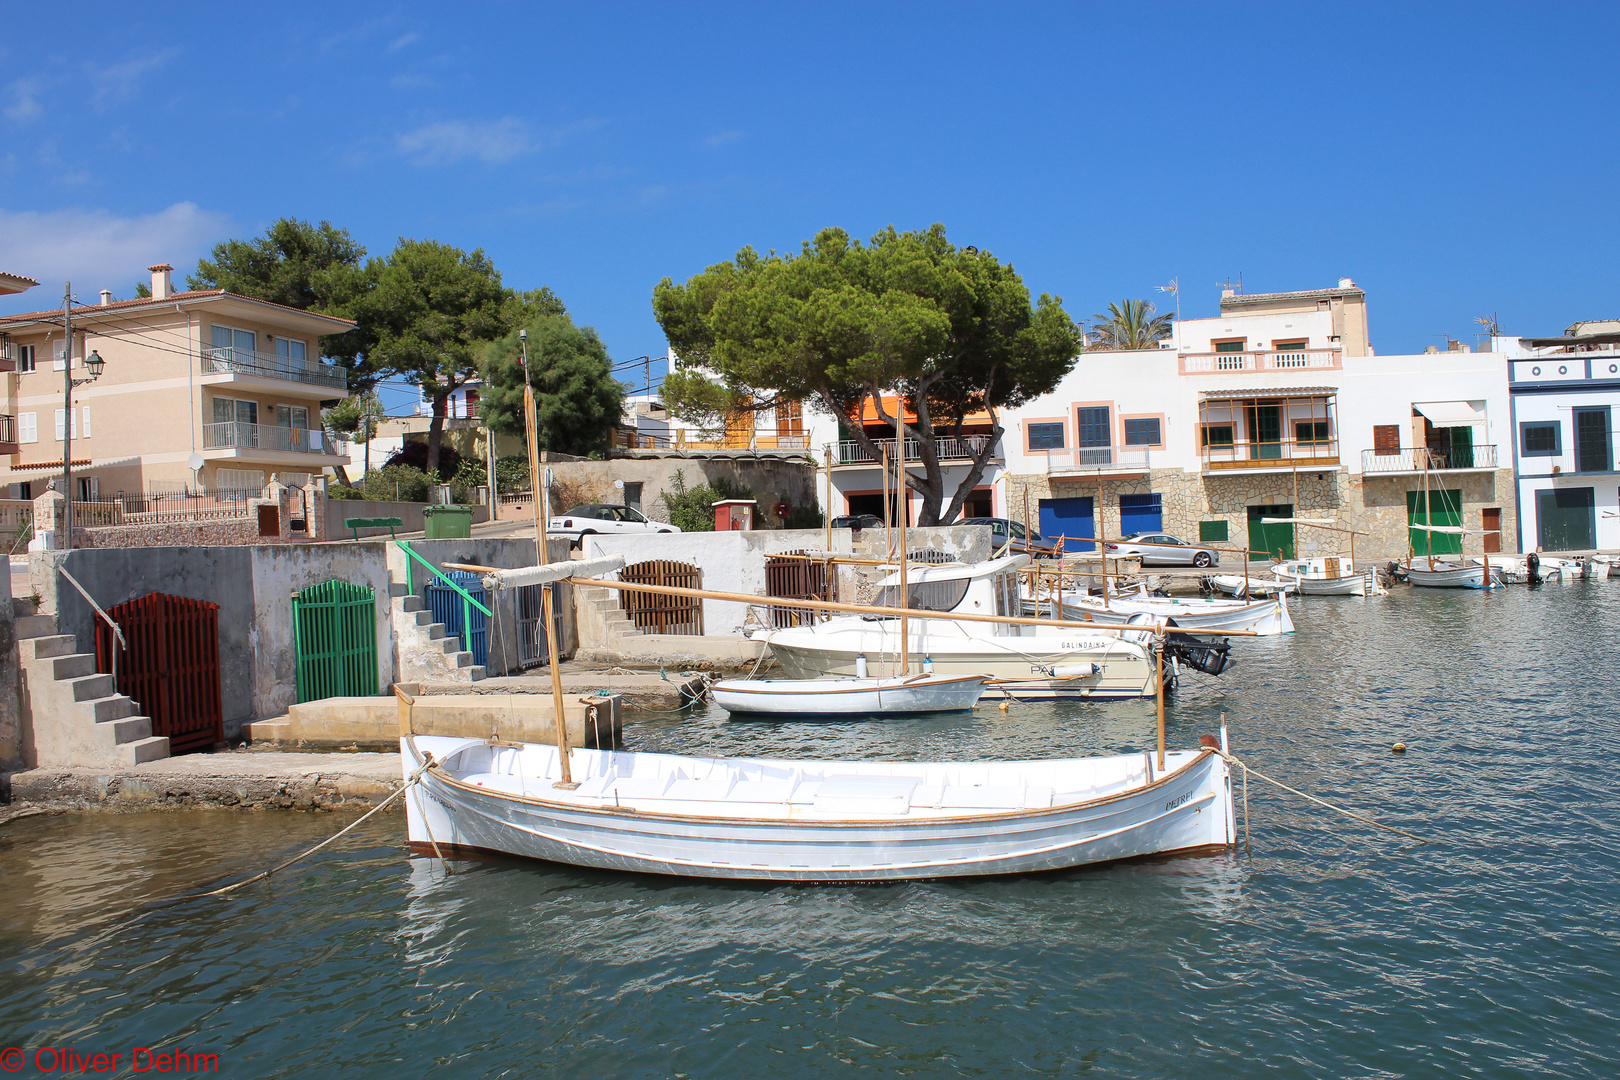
(168, 665)
(1271, 539)
(335, 638)
(1069, 519)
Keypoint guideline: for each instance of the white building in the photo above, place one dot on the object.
(1563, 393)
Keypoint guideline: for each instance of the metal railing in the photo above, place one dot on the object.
(227, 360)
(8, 428)
(851, 452)
(1412, 460)
(272, 437)
(1288, 360)
(1244, 454)
(1095, 459)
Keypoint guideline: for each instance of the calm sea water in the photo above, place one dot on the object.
(1331, 950)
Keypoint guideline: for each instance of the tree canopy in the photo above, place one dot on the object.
(313, 267)
(1129, 324)
(577, 402)
(950, 330)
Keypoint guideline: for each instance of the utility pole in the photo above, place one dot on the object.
(67, 415)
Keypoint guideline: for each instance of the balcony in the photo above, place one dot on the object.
(1417, 460)
(1235, 362)
(8, 434)
(1279, 456)
(273, 438)
(1095, 460)
(851, 452)
(231, 361)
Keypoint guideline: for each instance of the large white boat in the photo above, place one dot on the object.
(813, 821)
(1048, 662)
(1263, 617)
(1329, 576)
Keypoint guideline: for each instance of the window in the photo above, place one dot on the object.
(1046, 436)
(289, 351)
(232, 346)
(23, 491)
(58, 352)
(232, 411)
(1144, 432)
(1289, 346)
(84, 426)
(239, 480)
(1593, 452)
(632, 497)
(1212, 532)
(89, 488)
(1311, 431)
(1231, 346)
(295, 416)
(25, 359)
(1541, 439)
(1217, 435)
(27, 427)
(1386, 439)
(1092, 427)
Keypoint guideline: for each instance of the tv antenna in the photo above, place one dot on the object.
(1236, 288)
(1173, 288)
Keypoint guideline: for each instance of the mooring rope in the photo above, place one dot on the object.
(1232, 759)
(414, 779)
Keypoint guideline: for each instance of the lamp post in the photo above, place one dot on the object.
(94, 364)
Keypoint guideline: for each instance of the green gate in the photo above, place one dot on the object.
(1273, 538)
(1445, 508)
(335, 634)
(1565, 519)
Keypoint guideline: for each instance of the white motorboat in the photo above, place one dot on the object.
(845, 697)
(1234, 585)
(1329, 576)
(812, 821)
(1441, 574)
(1028, 662)
(1263, 617)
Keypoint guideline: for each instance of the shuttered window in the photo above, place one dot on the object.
(1046, 436)
(1386, 438)
(1210, 532)
(1144, 432)
(1091, 427)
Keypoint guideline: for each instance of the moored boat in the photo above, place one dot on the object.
(1263, 617)
(1258, 585)
(813, 821)
(1440, 574)
(1329, 576)
(846, 697)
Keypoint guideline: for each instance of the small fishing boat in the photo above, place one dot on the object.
(1264, 617)
(1234, 585)
(846, 697)
(1329, 576)
(811, 821)
(1441, 574)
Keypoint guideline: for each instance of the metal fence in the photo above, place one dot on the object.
(163, 507)
(226, 360)
(335, 639)
(273, 437)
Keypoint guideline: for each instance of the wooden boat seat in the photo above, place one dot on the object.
(865, 794)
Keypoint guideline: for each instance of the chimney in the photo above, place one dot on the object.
(106, 297)
(1346, 283)
(161, 286)
(1228, 292)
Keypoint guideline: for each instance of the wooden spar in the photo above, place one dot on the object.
(542, 507)
(829, 514)
(563, 752)
(405, 703)
(888, 506)
(890, 613)
(536, 481)
(905, 594)
(1159, 663)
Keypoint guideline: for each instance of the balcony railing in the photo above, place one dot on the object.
(1088, 459)
(1415, 460)
(851, 452)
(231, 361)
(1283, 453)
(8, 429)
(272, 437)
(1292, 360)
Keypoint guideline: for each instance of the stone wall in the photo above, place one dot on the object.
(1374, 506)
(772, 478)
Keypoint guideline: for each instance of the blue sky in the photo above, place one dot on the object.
(1454, 160)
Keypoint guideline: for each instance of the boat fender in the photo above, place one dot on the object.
(860, 666)
(928, 665)
(1073, 671)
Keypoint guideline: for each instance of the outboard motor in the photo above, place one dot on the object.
(1532, 568)
(1210, 657)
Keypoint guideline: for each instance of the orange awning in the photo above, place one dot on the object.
(77, 463)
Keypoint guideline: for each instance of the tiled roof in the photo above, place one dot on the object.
(90, 311)
(1244, 299)
(16, 282)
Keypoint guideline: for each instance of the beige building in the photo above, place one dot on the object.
(201, 389)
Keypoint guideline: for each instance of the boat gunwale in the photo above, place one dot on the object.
(439, 776)
(936, 682)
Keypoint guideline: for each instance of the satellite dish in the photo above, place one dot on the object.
(195, 461)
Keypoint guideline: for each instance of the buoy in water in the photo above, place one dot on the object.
(1004, 705)
(1398, 748)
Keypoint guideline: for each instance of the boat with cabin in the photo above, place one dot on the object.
(1329, 575)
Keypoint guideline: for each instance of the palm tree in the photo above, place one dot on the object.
(1129, 325)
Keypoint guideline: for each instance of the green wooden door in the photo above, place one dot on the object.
(1265, 432)
(1444, 508)
(1565, 518)
(1461, 454)
(335, 635)
(1275, 539)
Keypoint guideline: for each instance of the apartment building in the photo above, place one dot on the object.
(201, 389)
(1278, 407)
(1564, 392)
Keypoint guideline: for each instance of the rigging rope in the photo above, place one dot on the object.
(1233, 759)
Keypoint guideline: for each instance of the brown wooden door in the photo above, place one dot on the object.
(169, 665)
(1493, 528)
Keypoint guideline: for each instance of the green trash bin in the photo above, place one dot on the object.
(446, 522)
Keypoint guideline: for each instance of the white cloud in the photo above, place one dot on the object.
(402, 41)
(722, 137)
(118, 83)
(96, 249)
(24, 104)
(490, 141)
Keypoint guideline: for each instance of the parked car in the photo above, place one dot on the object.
(1030, 541)
(857, 521)
(1161, 549)
(606, 519)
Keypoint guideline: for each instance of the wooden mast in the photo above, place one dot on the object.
(900, 496)
(542, 507)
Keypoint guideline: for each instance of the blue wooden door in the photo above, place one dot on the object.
(1069, 518)
(1140, 513)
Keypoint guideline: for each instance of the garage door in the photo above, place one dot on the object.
(1140, 513)
(1069, 518)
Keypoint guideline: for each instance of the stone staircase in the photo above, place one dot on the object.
(428, 652)
(76, 715)
(608, 611)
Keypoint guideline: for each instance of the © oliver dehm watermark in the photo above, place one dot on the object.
(140, 1059)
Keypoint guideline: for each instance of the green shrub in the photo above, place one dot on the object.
(805, 517)
(692, 510)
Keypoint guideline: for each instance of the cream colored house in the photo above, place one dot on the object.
(200, 378)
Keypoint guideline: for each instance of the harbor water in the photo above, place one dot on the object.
(1327, 950)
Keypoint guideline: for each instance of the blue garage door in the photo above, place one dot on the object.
(1140, 513)
(1069, 518)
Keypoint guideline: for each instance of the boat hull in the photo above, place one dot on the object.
(1187, 808)
(1233, 585)
(1263, 617)
(1449, 576)
(848, 697)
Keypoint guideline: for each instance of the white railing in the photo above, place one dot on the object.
(1290, 360)
(1412, 460)
(1096, 459)
(272, 437)
(218, 360)
(851, 452)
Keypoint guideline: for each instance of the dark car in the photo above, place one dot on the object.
(1161, 549)
(1003, 530)
(857, 521)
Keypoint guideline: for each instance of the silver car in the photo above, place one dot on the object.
(1161, 549)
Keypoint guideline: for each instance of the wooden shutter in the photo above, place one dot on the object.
(1386, 438)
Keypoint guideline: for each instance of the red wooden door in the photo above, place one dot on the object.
(169, 666)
